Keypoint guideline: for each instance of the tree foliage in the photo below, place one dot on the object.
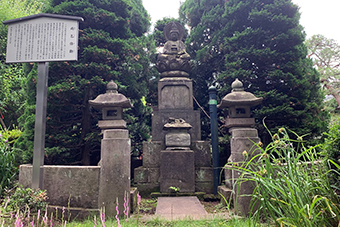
(260, 43)
(325, 54)
(12, 75)
(112, 46)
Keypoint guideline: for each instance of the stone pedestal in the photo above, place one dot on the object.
(243, 139)
(175, 93)
(115, 170)
(177, 169)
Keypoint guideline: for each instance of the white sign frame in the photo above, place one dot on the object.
(42, 38)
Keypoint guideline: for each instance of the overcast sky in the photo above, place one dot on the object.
(317, 16)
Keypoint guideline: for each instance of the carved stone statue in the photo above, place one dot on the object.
(174, 61)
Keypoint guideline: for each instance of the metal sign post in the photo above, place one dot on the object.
(42, 38)
(40, 125)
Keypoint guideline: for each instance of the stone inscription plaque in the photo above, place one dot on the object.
(42, 40)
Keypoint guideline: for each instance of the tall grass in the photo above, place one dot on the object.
(292, 185)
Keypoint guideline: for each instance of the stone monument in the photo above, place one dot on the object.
(114, 183)
(239, 122)
(175, 157)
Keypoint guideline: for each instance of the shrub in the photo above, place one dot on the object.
(8, 169)
(331, 148)
(24, 199)
(289, 190)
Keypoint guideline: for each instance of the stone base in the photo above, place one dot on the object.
(177, 169)
(242, 198)
(224, 194)
(75, 186)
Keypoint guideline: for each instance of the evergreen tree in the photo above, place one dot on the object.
(261, 44)
(112, 46)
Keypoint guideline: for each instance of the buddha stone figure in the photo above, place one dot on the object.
(174, 61)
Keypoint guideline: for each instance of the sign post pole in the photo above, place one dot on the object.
(40, 126)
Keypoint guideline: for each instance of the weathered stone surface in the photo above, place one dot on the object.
(114, 174)
(75, 186)
(228, 176)
(133, 199)
(115, 134)
(202, 153)
(161, 117)
(204, 174)
(152, 153)
(71, 213)
(239, 144)
(146, 175)
(177, 139)
(239, 122)
(243, 132)
(173, 97)
(224, 194)
(145, 189)
(242, 202)
(175, 94)
(177, 169)
(112, 124)
(207, 187)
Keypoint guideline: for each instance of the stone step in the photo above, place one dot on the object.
(174, 208)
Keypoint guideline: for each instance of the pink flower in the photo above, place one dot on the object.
(139, 199)
(117, 214)
(126, 206)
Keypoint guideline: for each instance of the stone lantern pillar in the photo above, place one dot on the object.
(239, 122)
(114, 182)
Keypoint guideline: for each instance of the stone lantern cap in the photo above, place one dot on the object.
(239, 97)
(177, 124)
(111, 98)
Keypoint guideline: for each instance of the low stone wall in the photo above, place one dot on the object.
(68, 186)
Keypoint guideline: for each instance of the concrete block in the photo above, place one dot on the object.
(177, 169)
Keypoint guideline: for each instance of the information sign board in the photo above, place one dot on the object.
(42, 39)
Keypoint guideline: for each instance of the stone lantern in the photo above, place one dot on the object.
(243, 140)
(115, 164)
(238, 103)
(111, 103)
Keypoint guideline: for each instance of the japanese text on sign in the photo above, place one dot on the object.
(42, 40)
